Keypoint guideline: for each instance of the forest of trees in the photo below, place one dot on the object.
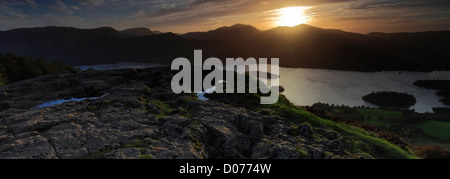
(15, 68)
(390, 99)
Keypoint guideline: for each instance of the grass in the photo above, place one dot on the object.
(363, 141)
(427, 140)
(437, 129)
(164, 108)
(197, 144)
(190, 99)
(135, 144)
(435, 132)
(377, 147)
(97, 154)
(377, 122)
(377, 117)
(146, 156)
(376, 113)
(194, 123)
(369, 141)
(302, 152)
(296, 131)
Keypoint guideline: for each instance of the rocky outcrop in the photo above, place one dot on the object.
(142, 118)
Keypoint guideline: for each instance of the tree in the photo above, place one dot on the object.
(16, 68)
(3, 79)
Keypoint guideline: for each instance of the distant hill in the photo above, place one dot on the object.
(299, 46)
(235, 32)
(308, 46)
(141, 31)
(93, 46)
(313, 47)
(423, 47)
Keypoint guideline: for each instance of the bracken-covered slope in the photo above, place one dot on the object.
(140, 117)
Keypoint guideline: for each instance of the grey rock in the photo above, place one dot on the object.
(75, 154)
(176, 119)
(211, 130)
(316, 153)
(265, 112)
(305, 130)
(118, 105)
(3, 137)
(26, 135)
(3, 130)
(130, 153)
(35, 147)
(134, 103)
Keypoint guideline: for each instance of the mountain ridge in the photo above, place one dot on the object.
(299, 46)
(223, 33)
(139, 31)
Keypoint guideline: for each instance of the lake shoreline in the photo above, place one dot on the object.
(315, 85)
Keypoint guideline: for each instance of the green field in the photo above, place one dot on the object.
(372, 116)
(437, 129)
(376, 113)
(427, 140)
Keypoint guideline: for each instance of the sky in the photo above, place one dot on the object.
(181, 16)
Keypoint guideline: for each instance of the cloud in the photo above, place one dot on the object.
(93, 2)
(400, 4)
(385, 16)
(75, 8)
(10, 13)
(213, 8)
(43, 20)
(15, 15)
(32, 3)
(175, 15)
(61, 7)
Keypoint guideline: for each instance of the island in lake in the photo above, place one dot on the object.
(390, 99)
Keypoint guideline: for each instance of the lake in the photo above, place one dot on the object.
(305, 87)
(308, 86)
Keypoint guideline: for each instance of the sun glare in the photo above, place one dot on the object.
(292, 16)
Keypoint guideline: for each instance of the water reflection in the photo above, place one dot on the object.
(308, 86)
(60, 101)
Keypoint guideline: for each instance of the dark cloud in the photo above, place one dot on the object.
(234, 5)
(61, 7)
(180, 13)
(91, 2)
(399, 4)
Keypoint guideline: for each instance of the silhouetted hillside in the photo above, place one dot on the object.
(313, 47)
(93, 46)
(430, 47)
(299, 46)
(141, 31)
(235, 32)
(308, 46)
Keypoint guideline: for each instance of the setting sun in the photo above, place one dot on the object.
(292, 16)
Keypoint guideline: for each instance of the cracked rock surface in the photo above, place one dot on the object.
(141, 118)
